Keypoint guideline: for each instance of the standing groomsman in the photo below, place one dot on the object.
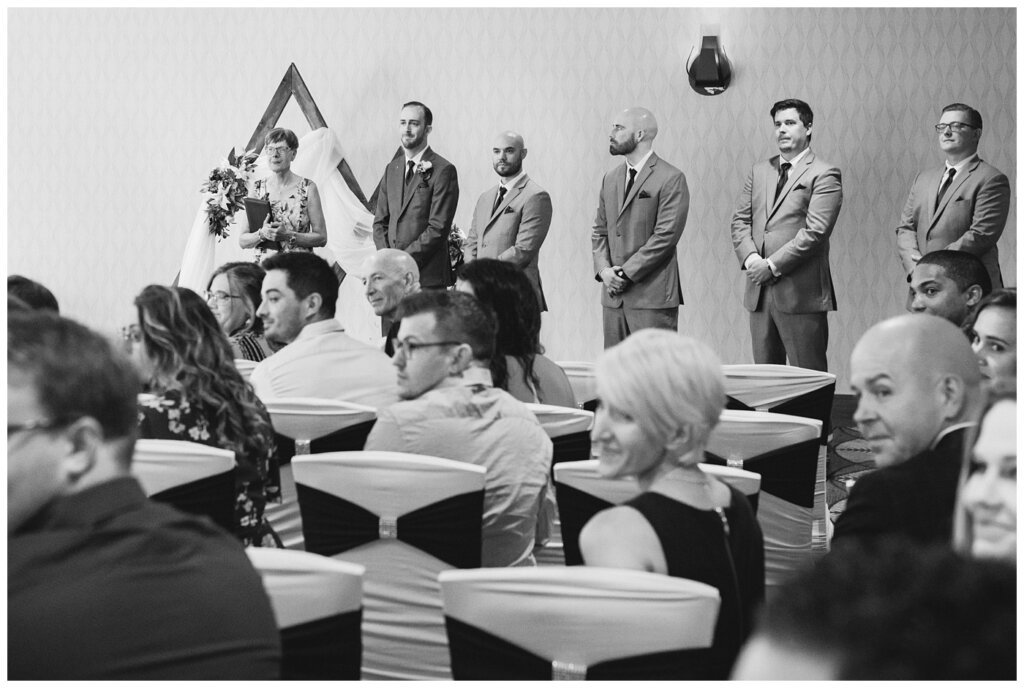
(780, 234)
(511, 219)
(962, 207)
(641, 213)
(416, 203)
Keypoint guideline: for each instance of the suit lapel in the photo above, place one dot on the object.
(641, 177)
(410, 188)
(951, 191)
(795, 173)
(509, 195)
(395, 181)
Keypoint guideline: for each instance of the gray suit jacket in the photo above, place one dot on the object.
(793, 231)
(514, 231)
(970, 217)
(641, 232)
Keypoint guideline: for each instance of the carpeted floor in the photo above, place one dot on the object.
(848, 455)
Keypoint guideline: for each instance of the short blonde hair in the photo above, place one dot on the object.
(666, 381)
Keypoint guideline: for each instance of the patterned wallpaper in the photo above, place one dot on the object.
(120, 113)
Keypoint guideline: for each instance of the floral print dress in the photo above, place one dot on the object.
(291, 211)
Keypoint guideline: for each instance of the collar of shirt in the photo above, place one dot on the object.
(511, 184)
(91, 505)
(416, 158)
(958, 167)
(951, 428)
(795, 160)
(639, 165)
(315, 329)
(472, 376)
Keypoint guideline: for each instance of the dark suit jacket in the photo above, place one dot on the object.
(640, 233)
(913, 499)
(514, 231)
(970, 217)
(793, 231)
(417, 217)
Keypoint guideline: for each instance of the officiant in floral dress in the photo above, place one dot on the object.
(296, 219)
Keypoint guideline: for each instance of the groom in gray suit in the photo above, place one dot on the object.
(641, 213)
(511, 219)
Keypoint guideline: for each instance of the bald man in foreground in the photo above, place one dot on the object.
(917, 384)
(641, 213)
(511, 220)
(389, 275)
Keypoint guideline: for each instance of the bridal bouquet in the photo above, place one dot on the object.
(225, 188)
(456, 247)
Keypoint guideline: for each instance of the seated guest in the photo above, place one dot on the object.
(889, 611)
(660, 397)
(389, 276)
(197, 395)
(948, 284)
(299, 295)
(233, 295)
(993, 331)
(519, 364)
(32, 294)
(917, 387)
(985, 524)
(103, 583)
(452, 411)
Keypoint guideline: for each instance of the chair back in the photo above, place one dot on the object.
(405, 518)
(245, 367)
(192, 477)
(583, 622)
(583, 382)
(568, 428)
(318, 605)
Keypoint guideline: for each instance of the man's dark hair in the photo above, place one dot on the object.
(32, 293)
(965, 269)
(460, 318)
(75, 372)
(894, 610)
(973, 116)
(307, 273)
(428, 116)
(802, 109)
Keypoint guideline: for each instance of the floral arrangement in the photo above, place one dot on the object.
(456, 246)
(226, 186)
(423, 169)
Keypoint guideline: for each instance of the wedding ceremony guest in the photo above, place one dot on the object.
(417, 199)
(641, 212)
(296, 218)
(918, 390)
(233, 294)
(962, 206)
(985, 522)
(661, 395)
(993, 332)
(32, 293)
(389, 276)
(300, 291)
(948, 284)
(198, 395)
(892, 611)
(511, 220)
(450, 409)
(519, 365)
(781, 238)
(103, 583)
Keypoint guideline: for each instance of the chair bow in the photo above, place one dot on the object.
(816, 404)
(788, 472)
(213, 496)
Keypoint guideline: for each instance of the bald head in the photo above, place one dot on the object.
(633, 133)
(507, 154)
(389, 275)
(642, 120)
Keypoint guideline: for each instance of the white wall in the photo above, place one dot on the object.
(121, 113)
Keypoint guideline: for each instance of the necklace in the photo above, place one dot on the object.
(675, 475)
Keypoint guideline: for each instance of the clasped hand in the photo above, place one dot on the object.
(272, 231)
(612, 282)
(759, 272)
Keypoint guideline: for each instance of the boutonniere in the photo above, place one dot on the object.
(644, 194)
(423, 169)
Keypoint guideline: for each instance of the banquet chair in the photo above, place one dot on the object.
(405, 518)
(192, 477)
(784, 451)
(318, 605)
(582, 492)
(576, 623)
(299, 424)
(583, 383)
(245, 367)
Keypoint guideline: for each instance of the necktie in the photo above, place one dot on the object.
(783, 177)
(945, 185)
(498, 198)
(629, 184)
(408, 171)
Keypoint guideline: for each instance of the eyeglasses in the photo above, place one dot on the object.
(220, 296)
(274, 150)
(953, 126)
(408, 348)
(131, 333)
(32, 425)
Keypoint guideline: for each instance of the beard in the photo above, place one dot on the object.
(624, 148)
(513, 169)
(415, 141)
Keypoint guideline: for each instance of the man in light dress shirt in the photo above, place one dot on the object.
(451, 410)
(299, 295)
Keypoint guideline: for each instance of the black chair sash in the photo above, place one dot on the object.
(325, 649)
(788, 473)
(352, 438)
(482, 656)
(575, 508)
(572, 447)
(816, 405)
(213, 496)
(450, 529)
(590, 405)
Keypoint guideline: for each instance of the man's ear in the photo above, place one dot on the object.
(973, 295)
(85, 436)
(462, 357)
(312, 303)
(952, 396)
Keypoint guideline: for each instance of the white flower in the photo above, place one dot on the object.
(424, 166)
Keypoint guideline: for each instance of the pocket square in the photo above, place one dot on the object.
(644, 194)
(509, 210)
(798, 187)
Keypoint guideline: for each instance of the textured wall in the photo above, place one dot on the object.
(121, 113)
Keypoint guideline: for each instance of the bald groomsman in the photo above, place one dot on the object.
(511, 219)
(641, 213)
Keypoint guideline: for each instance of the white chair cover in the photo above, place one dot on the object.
(584, 476)
(245, 367)
(583, 615)
(559, 421)
(159, 465)
(403, 626)
(581, 379)
(304, 587)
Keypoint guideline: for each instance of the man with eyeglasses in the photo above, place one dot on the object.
(452, 410)
(103, 583)
(960, 207)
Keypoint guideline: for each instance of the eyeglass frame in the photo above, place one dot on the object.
(407, 348)
(954, 127)
(37, 424)
(272, 150)
(217, 295)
